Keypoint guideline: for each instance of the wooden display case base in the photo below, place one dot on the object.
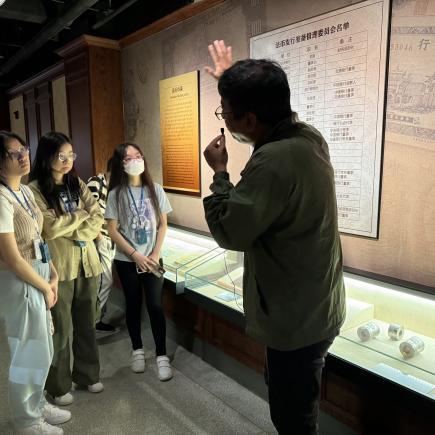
(365, 402)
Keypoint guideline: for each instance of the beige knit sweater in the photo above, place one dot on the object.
(24, 225)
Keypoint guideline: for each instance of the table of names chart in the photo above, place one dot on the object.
(335, 66)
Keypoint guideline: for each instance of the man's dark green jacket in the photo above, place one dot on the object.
(283, 215)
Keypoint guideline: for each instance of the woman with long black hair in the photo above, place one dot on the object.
(136, 220)
(72, 221)
(29, 290)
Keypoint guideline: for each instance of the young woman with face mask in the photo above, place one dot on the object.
(72, 221)
(29, 290)
(136, 220)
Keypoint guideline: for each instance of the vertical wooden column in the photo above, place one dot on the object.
(39, 114)
(31, 115)
(31, 106)
(17, 116)
(94, 94)
(5, 123)
(44, 107)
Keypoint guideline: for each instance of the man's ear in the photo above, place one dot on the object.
(251, 121)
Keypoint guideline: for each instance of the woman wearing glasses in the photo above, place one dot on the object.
(29, 290)
(136, 221)
(72, 220)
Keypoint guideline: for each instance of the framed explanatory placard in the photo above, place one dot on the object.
(179, 132)
(336, 65)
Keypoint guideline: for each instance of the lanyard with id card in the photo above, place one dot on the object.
(140, 233)
(68, 201)
(40, 247)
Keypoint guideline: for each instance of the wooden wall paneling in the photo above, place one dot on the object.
(60, 105)
(44, 105)
(341, 399)
(17, 116)
(368, 404)
(36, 94)
(106, 103)
(216, 331)
(234, 342)
(32, 125)
(94, 93)
(77, 85)
(44, 76)
(181, 311)
(178, 16)
(38, 114)
(5, 123)
(372, 405)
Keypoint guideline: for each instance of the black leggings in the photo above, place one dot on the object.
(132, 284)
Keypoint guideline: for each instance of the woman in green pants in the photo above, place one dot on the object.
(28, 291)
(72, 221)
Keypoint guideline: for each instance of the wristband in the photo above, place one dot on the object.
(132, 253)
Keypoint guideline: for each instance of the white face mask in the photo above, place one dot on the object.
(239, 137)
(134, 167)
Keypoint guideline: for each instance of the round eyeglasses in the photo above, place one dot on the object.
(220, 114)
(67, 157)
(18, 154)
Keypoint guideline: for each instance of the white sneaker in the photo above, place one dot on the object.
(164, 368)
(137, 361)
(98, 387)
(40, 428)
(54, 415)
(64, 400)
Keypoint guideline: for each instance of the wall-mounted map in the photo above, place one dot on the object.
(336, 67)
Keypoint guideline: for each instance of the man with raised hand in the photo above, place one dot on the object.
(283, 215)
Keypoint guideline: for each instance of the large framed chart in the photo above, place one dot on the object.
(336, 66)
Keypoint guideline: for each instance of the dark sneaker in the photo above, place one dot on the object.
(104, 329)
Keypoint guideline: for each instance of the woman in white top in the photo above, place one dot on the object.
(28, 291)
(136, 220)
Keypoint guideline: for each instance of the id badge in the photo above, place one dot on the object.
(141, 236)
(37, 249)
(45, 252)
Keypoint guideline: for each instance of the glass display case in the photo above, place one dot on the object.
(389, 330)
(182, 250)
(219, 279)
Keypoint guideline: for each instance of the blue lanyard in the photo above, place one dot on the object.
(69, 203)
(134, 202)
(27, 208)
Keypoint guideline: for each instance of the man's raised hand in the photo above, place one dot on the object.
(222, 57)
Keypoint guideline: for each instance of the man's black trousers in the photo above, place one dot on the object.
(294, 379)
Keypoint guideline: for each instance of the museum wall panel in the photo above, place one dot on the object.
(406, 246)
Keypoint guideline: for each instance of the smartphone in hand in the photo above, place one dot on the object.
(156, 269)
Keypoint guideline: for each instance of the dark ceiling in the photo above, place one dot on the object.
(50, 24)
